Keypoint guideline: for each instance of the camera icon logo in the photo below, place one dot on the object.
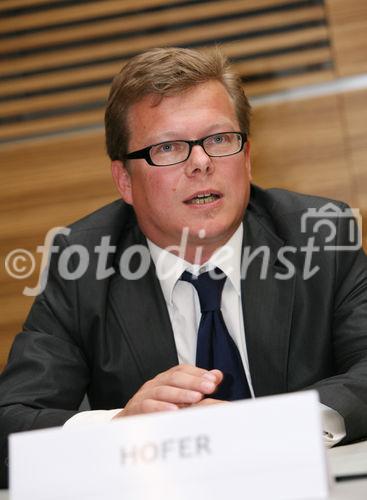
(328, 216)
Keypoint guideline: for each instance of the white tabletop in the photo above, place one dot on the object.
(349, 490)
(348, 460)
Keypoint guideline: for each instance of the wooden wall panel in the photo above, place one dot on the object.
(299, 145)
(45, 183)
(355, 113)
(317, 146)
(92, 10)
(53, 53)
(156, 19)
(348, 31)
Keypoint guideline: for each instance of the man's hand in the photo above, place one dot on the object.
(178, 387)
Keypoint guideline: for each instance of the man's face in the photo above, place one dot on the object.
(162, 196)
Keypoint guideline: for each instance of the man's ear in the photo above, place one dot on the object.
(248, 159)
(122, 180)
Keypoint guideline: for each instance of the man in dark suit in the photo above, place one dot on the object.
(177, 125)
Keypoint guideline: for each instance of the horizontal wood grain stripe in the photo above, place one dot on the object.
(243, 48)
(275, 63)
(154, 23)
(287, 82)
(69, 109)
(279, 73)
(55, 12)
(17, 4)
(33, 84)
(100, 92)
(18, 110)
(94, 117)
(52, 125)
(96, 10)
(47, 103)
(229, 34)
(69, 145)
(100, 74)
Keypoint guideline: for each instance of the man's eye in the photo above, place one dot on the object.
(219, 139)
(167, 147)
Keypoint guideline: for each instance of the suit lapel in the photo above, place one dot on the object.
(141, 313)
(267, 307)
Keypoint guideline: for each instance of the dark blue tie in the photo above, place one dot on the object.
(215, 347)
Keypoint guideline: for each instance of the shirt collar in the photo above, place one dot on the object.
(228, 259)
(169, 267)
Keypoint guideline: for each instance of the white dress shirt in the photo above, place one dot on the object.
(183, 302)
(184, 311)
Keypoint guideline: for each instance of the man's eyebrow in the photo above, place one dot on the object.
(167, 135)
(177, 136)
(223, 127)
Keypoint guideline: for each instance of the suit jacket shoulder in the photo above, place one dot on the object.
(280, 211)
(111, 219)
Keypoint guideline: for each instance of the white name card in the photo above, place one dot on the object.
(268, 448)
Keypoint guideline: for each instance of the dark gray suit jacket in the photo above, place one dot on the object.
(107, 337)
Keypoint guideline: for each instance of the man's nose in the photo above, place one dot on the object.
(198, 162)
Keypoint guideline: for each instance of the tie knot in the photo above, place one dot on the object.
(209, 287)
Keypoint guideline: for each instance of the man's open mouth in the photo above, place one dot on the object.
(203, 198)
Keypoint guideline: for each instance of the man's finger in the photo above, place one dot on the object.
(206, 383)
(175, 395)
(146, 406)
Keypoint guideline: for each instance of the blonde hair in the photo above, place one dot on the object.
(166, 72)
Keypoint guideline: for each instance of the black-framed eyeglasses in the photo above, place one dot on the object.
(168, 153)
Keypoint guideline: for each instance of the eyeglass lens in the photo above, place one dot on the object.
(223, 144)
